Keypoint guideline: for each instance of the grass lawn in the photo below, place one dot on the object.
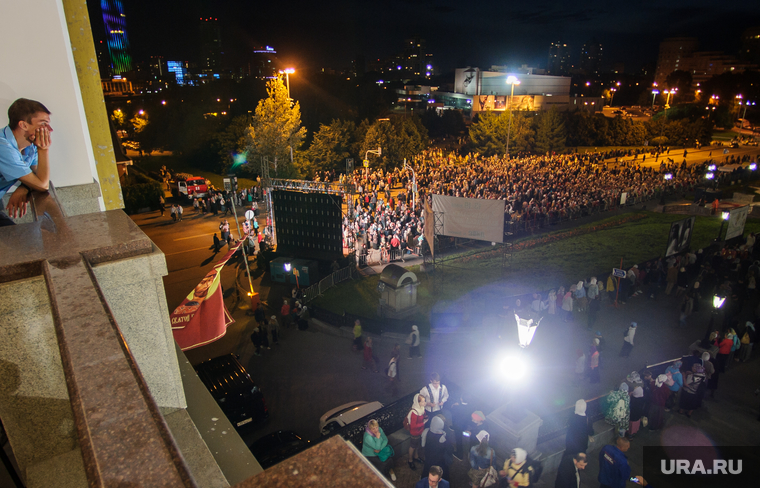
(539, 267)
(724, 135)
(154, 163)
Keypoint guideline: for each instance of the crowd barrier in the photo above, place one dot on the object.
(312, 292)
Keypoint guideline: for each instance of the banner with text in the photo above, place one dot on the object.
(202, 316)
(471, 218)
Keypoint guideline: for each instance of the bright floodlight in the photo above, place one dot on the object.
(718, 301)
(525, 330)
(711, 167)
(289, 71)
(668, 176)
(512, 80)
(288, 267)
(513, 367)
(725, 215)
(752, 166)
(710, 176)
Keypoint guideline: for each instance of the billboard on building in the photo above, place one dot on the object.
(471, 218)
(524, 103)
(736, 220)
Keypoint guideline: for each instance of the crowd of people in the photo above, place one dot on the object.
(535, 188)
(644, 400)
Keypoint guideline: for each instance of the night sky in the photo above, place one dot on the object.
(458, 33)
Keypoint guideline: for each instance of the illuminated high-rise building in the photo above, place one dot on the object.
(115, 23)
(559, 59)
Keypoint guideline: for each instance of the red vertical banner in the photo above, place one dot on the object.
(202, 317)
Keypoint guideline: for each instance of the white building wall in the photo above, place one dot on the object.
(37, 63)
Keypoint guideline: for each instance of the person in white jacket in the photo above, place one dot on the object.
(628, 340)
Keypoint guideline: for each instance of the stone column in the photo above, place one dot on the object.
(88, 74)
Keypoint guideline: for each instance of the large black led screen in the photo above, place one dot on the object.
(308, 224)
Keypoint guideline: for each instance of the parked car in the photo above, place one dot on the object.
(341, 416)
(277, 447)
(234, 390)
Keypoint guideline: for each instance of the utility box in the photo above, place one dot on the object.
(398, 292)
(302, 272)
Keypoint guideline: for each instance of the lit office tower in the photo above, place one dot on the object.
(116, 36)
(211, 44)
(674, 55)
(559, 59)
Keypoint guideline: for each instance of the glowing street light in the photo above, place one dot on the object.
(287, 72)
(525, 330)
(654, 95)
(511, 80)
(717, 302)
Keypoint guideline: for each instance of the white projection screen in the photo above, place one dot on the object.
(471, 218)
(736, 220)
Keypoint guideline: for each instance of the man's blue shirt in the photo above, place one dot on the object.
(614, 470)
(14, 164)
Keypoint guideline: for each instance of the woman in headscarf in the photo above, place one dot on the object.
(416, 420)
(552, 302)
(579, 431)
(580, 296)
(437, 448)
(369, 357)
(593, 362)
(637, 410)
(567, 304)
(376, 449)
(711, 373)
(660, 394)
(513, 469)
(674, 371)
(625, 351)
(618, 412)
(481, 458)
(692, 391)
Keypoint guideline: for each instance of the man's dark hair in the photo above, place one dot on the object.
(435, 377)
(580, 456)
(436, 471)
(24, 109)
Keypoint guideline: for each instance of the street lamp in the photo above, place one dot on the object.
(723, 217)
(511, 80)
(717, 302)
(612, 95)
(654, 95)
(287, 72)
(669, 93)
(525, 330)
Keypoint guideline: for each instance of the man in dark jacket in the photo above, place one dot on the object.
(614, 470)
(569, 472)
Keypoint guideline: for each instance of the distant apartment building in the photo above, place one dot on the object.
(591, 57)
(673, 52)
(679, 53)
(559, 59)
(750, 50)
(211, 45)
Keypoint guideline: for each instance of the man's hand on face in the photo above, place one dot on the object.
(42, 138)
(18, 202)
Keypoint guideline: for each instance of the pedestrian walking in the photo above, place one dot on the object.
(358, 344)
(180, 211)
(593, 364)
(285, 312)
(161, 205)
(217, 243)
(413, 340)
(614, 471)
(625, 351)
(369, 358)
(173, 212)
(274, 328)
(392, 373)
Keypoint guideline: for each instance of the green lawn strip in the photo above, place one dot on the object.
(538, 265)
(154, 163)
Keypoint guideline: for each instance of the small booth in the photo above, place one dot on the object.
(295, 271)
(398, 292)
